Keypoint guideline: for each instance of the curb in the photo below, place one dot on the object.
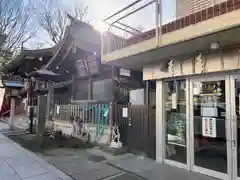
(3, 121)
(124, 170)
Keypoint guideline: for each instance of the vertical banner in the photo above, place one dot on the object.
(2, 93)
(58, 110)
(209, 127)
(174, 100)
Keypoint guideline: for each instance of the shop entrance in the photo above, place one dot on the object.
(202, 125)
(210, 140)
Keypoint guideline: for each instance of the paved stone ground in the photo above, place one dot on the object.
(80, 165)
(124, 167)
(149, 169)
(17, 163)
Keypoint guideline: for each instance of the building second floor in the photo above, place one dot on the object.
(136, 31)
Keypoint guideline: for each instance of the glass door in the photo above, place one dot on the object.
(235, 124)
(176, 129)
(209, 119)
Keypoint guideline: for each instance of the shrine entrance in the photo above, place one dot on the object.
(200, 124)
(210, 110)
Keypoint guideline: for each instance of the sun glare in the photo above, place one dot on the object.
(100, 26)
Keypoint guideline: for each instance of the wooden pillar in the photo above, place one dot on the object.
(48, 105)
(72, 88)
(12, 113)
(89, 89)
(114, 78)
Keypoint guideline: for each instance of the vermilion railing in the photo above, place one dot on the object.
(200, 16)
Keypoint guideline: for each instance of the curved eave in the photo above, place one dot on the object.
(16, 62)
(40, 52)
(73, 35)
(12, 64)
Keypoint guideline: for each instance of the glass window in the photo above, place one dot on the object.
(237, 113)
(175, 113)
(102, 90)
(137, 97)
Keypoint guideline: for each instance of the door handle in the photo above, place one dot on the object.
(234, 143)
(234, 118)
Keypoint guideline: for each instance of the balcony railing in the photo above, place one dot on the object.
(130, 24)
(165, 15)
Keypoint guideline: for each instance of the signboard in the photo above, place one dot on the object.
(125, 112)
(14, 92)
(58, 109)
(209, 127)
(125, 72)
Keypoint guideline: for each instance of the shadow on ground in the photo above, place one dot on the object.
(36, 144)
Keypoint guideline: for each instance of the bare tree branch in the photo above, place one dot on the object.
(80, 13)
(16, 18)
(53, 18)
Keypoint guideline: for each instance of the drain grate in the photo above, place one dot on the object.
(96, 158)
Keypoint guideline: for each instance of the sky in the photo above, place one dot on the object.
(100, 9)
